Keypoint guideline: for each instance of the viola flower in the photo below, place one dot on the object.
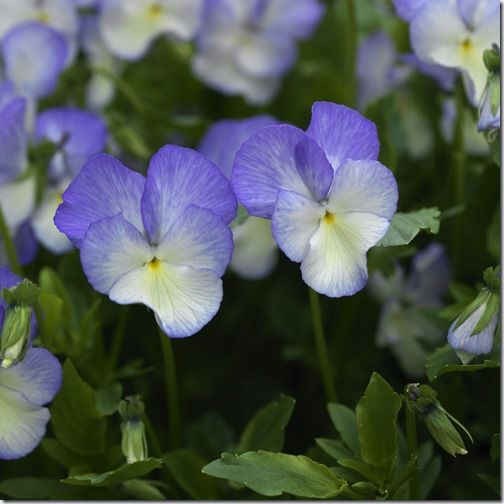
(255, 250)
(405, 326)
(24, 390)
(245, 47)
(329, 199)
(455, 34)
(79, 135)
(162, 240)
(128, 27)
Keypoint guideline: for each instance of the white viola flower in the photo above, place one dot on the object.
(128, 27)
(255, 252)
(329, 198)
(246, 46)
(455, 33)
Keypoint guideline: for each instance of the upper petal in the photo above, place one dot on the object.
(37, 377)
(104, 187)
(198, 238)
(178, 177)
(295, 220)
(407, 9)
(266, 164)
(111, 248)
(34, 56)
(183, 298)
(343, 133)
(364, 186)
(335, 264)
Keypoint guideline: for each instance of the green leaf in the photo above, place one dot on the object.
(50, 330)
(444, 360)
(76, 421)
(144, 490)
(336, 449)
(266, 429)
(185, 467)
(345, 422)
(377, 412)
(272, 474)
(37, 489)
(428, 476)
(24, 293)
(108, 397)
(405, 226)
(60, 453)
(492, 481)
(493, 236)
(366, 470)
(50, 282)
(110, 478)
(404, 475)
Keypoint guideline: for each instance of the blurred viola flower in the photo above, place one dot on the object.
(245, 47)
(454, 34)
(379, 69)
(329, 199)
(406, 325)
(128, 27)
(162, 240)
(255, 250)
(474, 142)
(473, 331)
(25, 387)
(78, 135)
(445, 77)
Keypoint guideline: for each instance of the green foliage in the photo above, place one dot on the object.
(272, 474)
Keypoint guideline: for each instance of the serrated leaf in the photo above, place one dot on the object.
(121, 474)
(266, 429)
(272, 474)
(345, 422)
(185, 466)
(75, 419)
(377, 412)
(405, 226)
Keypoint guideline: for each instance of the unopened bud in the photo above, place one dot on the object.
(15, 335)
(134, 442)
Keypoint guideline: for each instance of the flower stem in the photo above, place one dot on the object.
(411, 436)
(320, 343)
(171, 390)
(351, 52)
(117, 341)
(8, 243)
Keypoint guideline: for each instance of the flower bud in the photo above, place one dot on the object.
(134, 443)
(489, 108)
(15, 335)
(422, 400)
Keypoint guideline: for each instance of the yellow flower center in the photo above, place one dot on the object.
(43, 17)
(466, 46)
(329, 218)
(154, 264)
(154, 10)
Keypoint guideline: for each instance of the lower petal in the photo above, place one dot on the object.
(17, 200)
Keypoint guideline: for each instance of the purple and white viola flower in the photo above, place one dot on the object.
(128, 27)
(404, 324)
(255, 251)
(454, 34)
(245, 47)
(25, 388)
(161, 240)
(79, 135)
(17, 186)
(329, 198)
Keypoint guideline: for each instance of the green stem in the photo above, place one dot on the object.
(8, 244)
(458, 172)
(117, 341)
(351, 52)
(171, 390)
(320, 343)
(411, 436)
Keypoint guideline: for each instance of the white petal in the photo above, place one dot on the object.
(18, 200)
(255, 251)
(22, 424)
(335, 264)
(184, 299)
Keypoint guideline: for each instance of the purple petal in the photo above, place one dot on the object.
(81, 134)
(266, 164)
(7, 278)
(313, 167)
(178, 177)
(26, 244)
(34, 56)
(407, 9)
(13, 140)
(37, 377)
(198, 238)
(343, 133)
(7, 92)
(104, 187)
(444, 76)
(223, 139)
